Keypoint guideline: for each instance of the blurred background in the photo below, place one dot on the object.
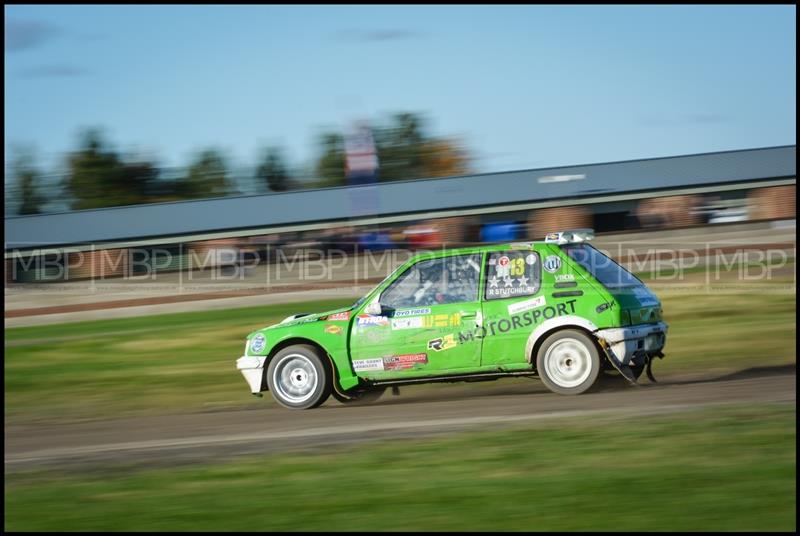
(124, 106)
(178, 176)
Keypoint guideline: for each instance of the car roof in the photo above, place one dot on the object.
(505, 246)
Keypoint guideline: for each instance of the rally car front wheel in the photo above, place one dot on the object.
(298, 377)
(568, 362)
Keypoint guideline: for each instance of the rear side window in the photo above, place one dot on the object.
(603, 268)
(512, 273)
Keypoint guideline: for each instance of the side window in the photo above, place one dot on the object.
(512, 273)
(437, 281)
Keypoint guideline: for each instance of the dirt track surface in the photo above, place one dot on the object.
(166, 440)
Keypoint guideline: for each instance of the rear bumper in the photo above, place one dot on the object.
(252, 368)
(630, 346)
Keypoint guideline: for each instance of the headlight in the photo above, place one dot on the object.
(257, 343)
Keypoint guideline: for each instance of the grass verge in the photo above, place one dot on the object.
(710, 470)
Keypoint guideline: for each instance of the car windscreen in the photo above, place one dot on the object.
(603, 268)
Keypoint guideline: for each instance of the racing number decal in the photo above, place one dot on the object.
(518, 266)
(512, 274)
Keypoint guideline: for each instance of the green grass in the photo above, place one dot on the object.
(717, 333)
(186, 362)
(242, 318)
(730, 469)
(152, 364)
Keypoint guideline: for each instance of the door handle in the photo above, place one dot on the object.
(467, 314)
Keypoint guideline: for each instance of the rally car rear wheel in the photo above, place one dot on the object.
(568, 362)
(298, 377)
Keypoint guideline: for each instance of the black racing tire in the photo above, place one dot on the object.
(568, 362)
(299, 377)
(360, 397)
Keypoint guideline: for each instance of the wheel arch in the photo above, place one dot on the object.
(540, 334)
(292, 341)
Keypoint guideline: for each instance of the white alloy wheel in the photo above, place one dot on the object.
(294, 378)
(568, 362)
(298, 378)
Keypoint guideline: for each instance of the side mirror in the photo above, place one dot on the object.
(373, 308)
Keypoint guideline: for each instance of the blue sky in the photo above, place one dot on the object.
(520, 86)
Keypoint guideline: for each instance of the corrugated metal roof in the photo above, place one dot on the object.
(395, 198)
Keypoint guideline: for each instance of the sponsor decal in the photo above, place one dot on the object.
(340, 316)
(369, 320)
(404, 361)
(530, 259)
(551, 236)
(442, 321)
(333, 330)
(257, 343)
(412, 312)
(503, 267)
(433, 321)
(603, 306)
(565, 277)
(408, 323)
(552, 263)
(442, 343)
(526, 305)
(522, 320)
(360, 365)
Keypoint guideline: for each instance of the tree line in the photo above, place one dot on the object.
(97, 176)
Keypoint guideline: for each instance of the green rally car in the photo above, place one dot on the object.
(558, 309)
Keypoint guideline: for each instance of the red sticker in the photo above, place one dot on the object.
(503, 261)
(405, 361)
(340, 316)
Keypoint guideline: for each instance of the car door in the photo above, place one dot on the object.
(513, 304)
(422, 313)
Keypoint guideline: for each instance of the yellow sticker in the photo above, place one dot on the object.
(443, 321)
(335, 330)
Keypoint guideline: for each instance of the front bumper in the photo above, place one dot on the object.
(632, 345)
(252, 368)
